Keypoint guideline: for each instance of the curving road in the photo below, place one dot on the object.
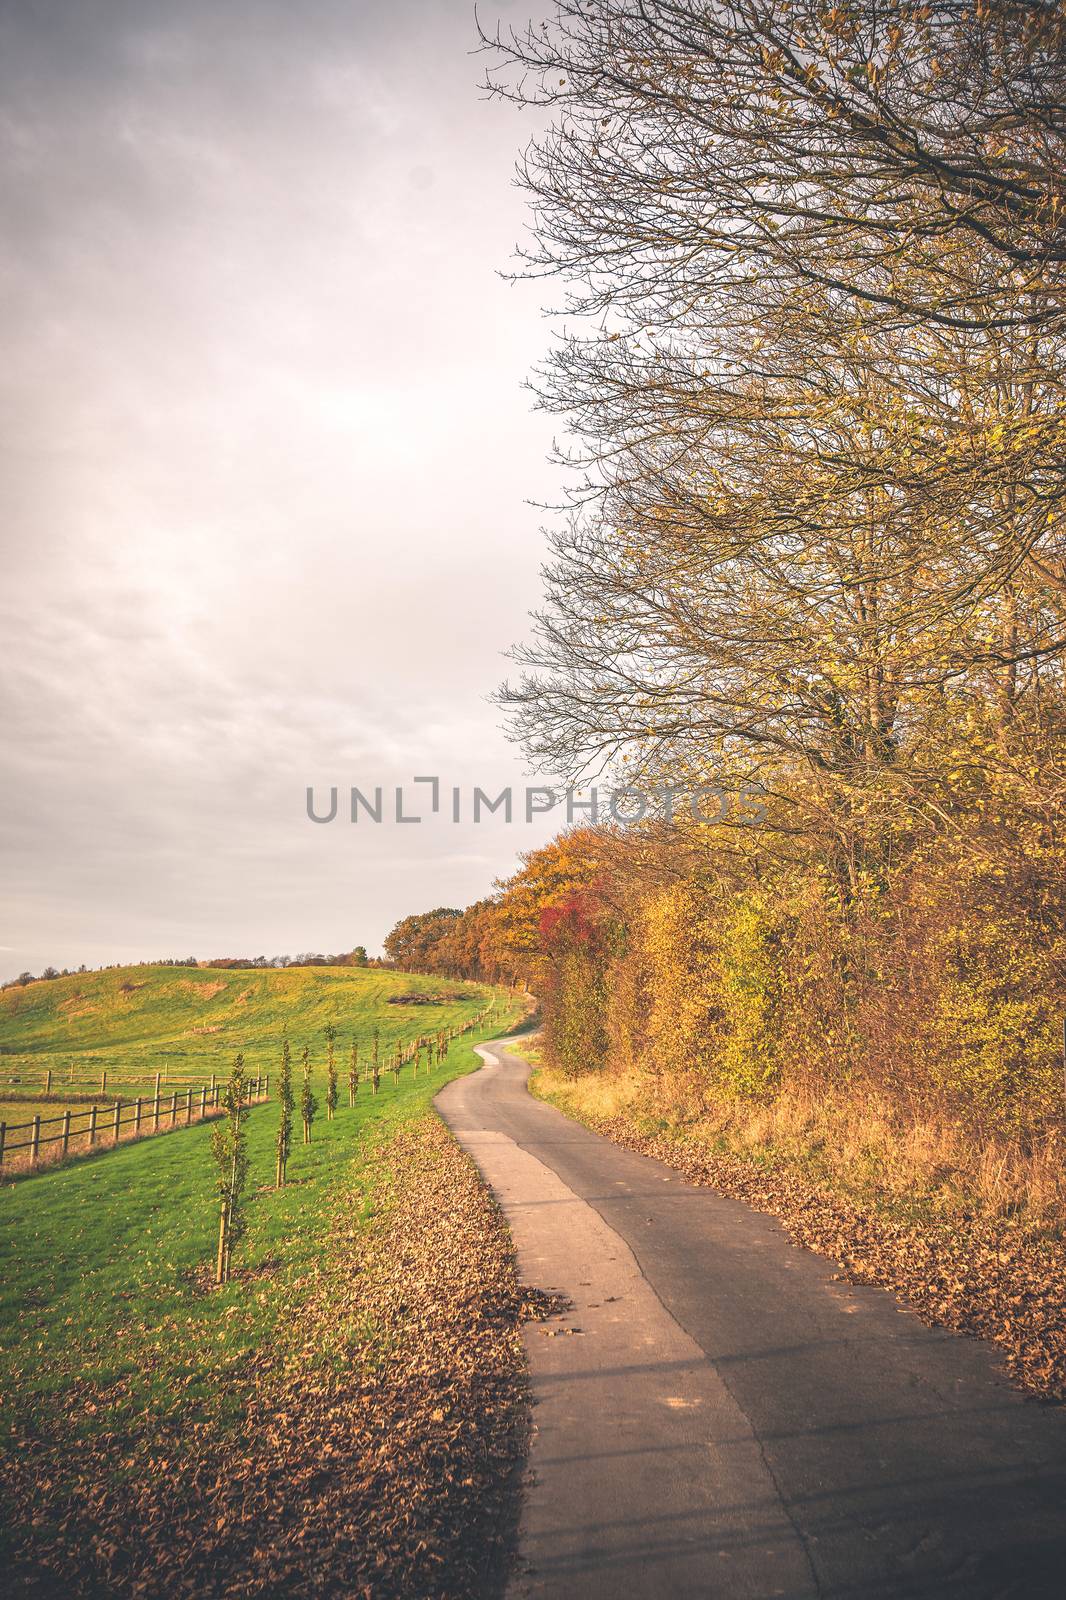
(718, 1416)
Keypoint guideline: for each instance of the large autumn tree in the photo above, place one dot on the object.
(413, 944)
(694, 144)
(816, 416)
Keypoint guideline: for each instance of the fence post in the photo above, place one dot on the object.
(215, 1086)
(35, 1138)
(203, 1100)
(266, 1087)
(137, 1117)
(48, 1081)
(155, 1125)
(188, 1106)
(92, 1124)
(66, 1131)
(117, 1122)
(3, 1141)
(103, 1082)
(70, 1079)
(174, 1108)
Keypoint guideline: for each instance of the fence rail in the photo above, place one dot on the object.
(161, 1112)
(55, 1080)
(146, 1114)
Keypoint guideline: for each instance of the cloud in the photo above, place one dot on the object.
(266, 458)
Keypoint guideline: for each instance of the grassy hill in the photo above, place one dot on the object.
(190, 1022)
(117, 1353)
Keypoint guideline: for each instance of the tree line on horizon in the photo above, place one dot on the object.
(349, 958)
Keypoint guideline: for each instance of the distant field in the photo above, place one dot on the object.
(187, 1023)
(16, 1113)
(23, 1109)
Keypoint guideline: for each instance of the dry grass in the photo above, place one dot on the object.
(861, 1143)
(867, 1144)
(969, 1233)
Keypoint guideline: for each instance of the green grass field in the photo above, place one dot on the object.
(186, 1023)
(108, 1316)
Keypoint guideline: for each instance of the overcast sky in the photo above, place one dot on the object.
(266, 458)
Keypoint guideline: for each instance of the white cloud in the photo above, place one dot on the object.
(265, 467)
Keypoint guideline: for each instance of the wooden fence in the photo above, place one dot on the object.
(59, 1080)
(157, 1113)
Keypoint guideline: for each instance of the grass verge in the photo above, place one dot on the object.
(343, 1418)
(967, 1244)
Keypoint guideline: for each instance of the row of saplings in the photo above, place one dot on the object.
(229, 1140)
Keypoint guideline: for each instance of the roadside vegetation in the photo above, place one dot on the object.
(142, 1405)
(940, 1228)
(812, 586)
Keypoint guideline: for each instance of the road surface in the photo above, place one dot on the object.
(717, 1416)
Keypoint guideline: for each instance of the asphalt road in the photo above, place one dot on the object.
(717, 1416)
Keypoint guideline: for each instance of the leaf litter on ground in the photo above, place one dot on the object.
(379, 1442)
